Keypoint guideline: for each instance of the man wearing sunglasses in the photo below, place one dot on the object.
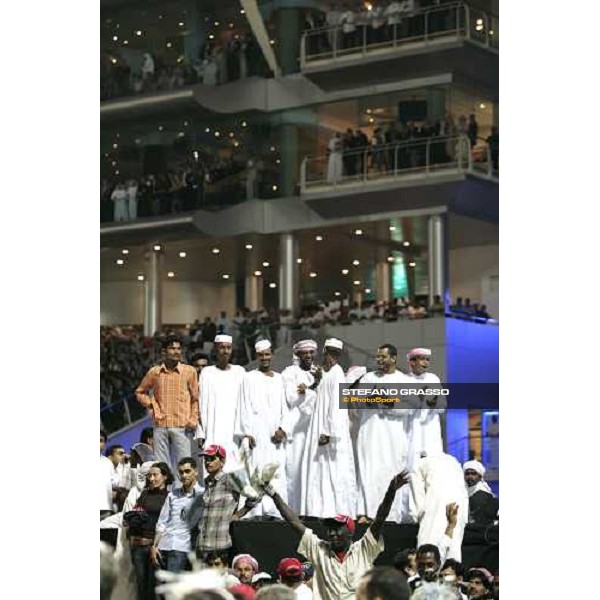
(220, 501)
(173, 540)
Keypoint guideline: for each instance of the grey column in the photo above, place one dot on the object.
(288, 272)
(253, 292)
(152, 293)
(437, 257)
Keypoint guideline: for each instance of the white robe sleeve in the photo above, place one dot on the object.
(332, 421)
(201, 429)
(417, 489)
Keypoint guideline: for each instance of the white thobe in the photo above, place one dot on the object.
(300, 407)
(263, 410)
(426, 425)
(334, 164)
(220, 393)
(328, 478)
(381, 448)
(437, 481)
(106, 474)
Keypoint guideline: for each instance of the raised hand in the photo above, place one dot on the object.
(399, 480)
(452, 513)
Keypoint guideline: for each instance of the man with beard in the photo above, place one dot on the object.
(382, 442)
(262, 423)
(483, 505)
(221, 390)
(244, 566)
(340, 563)
(328, 476)
(300, 380)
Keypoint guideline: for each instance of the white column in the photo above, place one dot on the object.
(437, 256)
(288, 272)
(152, 293)
(253, 292)
(382, 281)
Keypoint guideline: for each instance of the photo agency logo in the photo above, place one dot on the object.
(419, 395)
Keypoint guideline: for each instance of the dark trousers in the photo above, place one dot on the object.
(175, 561)
(144, 572)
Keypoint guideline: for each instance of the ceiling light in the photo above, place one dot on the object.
(120, 261)
(182, 254)
(274, 188)
(217, 134)
(482, 105)
(319, 238)
(272, 148)
(358, 232)
(171, 274)
(138, 32)
(160, 127)
(491, 32)
(272, 285)
(313, 274)
(278, 161)
(392, 228)
(115, 38)
(356, 282)
(338, 294)
(248, 246)
(479, 21)
(157, 247)
(356, 262)
(244, 124)
(225, 276)
(242, 12)
(272, 42)
(124, 251)
(406, 244)
(217, 23)
(266, 264)
(211, 37)
(390, 259)
(299, 261)
(236, 143)
(115, 146)
(230, 24)
(180, 23)
(215, 250)
(367, 290)
(113, 61)
(412, 263)
(257, 273)
(345, 271)
(169, 45)
(369, 111)
(231, 134)
(207, 130)
(140, 278)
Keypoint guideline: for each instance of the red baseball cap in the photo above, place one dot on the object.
(289, 566)
(241, 590)
(347, 521)
(214, 450)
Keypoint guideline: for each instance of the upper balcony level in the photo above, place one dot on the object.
(452, 37)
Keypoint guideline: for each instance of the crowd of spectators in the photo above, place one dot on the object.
(218, 62)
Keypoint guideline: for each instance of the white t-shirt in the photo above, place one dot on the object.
(303, 592)
(335, 580)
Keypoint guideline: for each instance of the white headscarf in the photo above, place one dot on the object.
(480, 486)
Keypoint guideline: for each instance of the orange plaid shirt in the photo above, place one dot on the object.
(175, 401)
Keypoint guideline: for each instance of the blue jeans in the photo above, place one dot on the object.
(175, 561)
(144, 572)
(176, 441)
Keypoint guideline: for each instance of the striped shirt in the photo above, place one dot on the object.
(173, 520)
(175, 401)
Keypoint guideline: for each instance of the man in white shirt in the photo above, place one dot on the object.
(340, 563)
(119, 197)
(221, 390)
(121, 474)
(348, 23)
(290, 575)
(106, 475)
(382, 442)
(262, 424)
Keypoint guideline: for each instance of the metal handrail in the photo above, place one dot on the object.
(332, 33)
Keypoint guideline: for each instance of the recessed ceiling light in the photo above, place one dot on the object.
(313, 274)
(319, 238)
(338, 294)
(356, 282)
(140, 278)
(217, 134)
(124, 251)
(169, 45)
(248, 246)
(392, 228)
(180, 23)
(120, 261)
(406, 244)
(225, 276)
(170, 274)
(299, 261)
(356, 262)
(367, 290)
(266, 264)
(412, 263)
(274, 188)
(257, 273)
(242, 12)
(182, 254)
(369, 111)
(207, 130)
(272, 148)
(115, 146)
(244, 124)
(138, 32)
(390, 259)
(345, 271)
(482, 105)
(157, 247)
(115, 38)
(215, 250)
(272, 285)
(358, 231)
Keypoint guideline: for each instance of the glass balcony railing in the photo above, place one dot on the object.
(386, 162)
(454, 21)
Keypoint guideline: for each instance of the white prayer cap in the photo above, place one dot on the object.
(262, 345)
(475, 465)
(334, 343)
(304, 345)
(418, 352)
(226, 339)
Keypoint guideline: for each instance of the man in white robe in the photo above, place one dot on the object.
(383, 440)
(483, 505)
(262, 424)
(436, 482)
(220, 393)
(426, 428)
(300, 381)
(328, 478)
